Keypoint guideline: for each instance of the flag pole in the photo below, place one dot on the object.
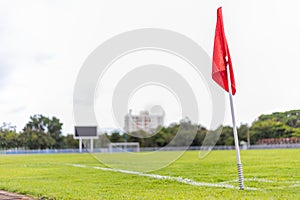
(235, 134)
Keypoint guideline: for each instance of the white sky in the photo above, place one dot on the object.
(44, 43)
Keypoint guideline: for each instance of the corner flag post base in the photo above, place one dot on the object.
(241, 176)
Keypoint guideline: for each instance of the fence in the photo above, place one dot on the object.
(192, 148)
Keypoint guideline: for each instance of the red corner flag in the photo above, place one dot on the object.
(221, 56)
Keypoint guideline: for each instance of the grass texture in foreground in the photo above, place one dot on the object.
(273, 174)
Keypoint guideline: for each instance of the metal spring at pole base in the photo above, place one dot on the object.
(241, 177)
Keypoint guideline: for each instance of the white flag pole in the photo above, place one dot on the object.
(235, 134)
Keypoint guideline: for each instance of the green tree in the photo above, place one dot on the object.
(36, 140)
(243, 131)
(44, 132)
(199, 138)
(8, 136)
(226, 137)
(3, 142)
(276, 125)
(116, 137)
(290, 118)
(69, 142)
(269, 129)
(13, 140)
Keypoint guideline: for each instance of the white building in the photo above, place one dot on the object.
(144, 121)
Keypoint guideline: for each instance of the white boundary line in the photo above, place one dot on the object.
(262, 180)
(170, 178)
(294, 183)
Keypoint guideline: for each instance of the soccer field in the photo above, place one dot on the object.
(269, 174)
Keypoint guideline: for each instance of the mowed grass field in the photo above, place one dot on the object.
(269, 174)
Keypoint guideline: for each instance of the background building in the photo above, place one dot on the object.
(145, 121)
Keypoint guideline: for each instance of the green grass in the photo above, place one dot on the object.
(276, 173)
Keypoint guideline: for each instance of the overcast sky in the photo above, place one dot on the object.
(43, 44)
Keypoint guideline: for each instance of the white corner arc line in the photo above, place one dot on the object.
(170, 178)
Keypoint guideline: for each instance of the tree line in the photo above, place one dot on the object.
(42, 132)
(166, 136)
(275, 125)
